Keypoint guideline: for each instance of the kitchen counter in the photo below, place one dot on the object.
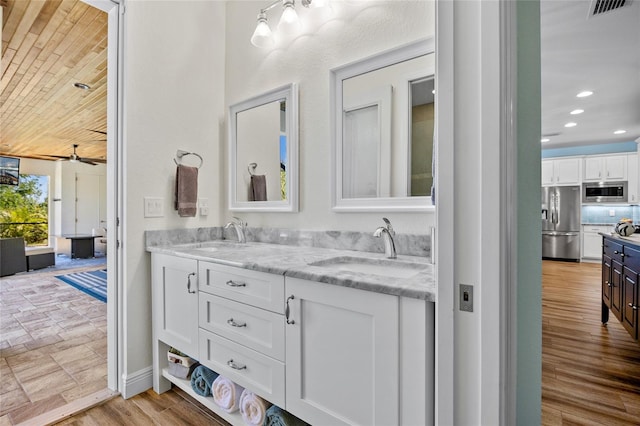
(293, 261)
(633, 239)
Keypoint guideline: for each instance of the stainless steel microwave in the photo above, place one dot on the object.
(604, 192)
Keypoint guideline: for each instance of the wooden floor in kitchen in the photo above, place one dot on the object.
(590, 373)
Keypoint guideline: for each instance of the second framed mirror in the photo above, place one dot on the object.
(263, 152)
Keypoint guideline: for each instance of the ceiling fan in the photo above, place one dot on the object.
(76, 158)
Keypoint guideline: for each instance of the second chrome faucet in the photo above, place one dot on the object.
(239, 225)
(387, 233)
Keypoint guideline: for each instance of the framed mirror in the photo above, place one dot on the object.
(383, 116)
(263, 152)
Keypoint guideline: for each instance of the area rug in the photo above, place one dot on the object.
(94, 283)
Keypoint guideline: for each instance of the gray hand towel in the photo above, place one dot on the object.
(186, 191)
(259, 187)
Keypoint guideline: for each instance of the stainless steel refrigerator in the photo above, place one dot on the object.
(561, 222)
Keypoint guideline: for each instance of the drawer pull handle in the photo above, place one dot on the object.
(189, 283)
(232, 283)
(632, 306)
(287, 310)
(235, 366)
(232, 323)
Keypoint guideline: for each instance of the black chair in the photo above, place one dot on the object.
(12, 256)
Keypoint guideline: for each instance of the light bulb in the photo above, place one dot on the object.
(262, 36)
(289, 22)
(316, 4)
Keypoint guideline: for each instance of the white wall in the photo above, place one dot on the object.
(356, 30)
(173, 97)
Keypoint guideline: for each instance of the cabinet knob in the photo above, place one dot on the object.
(632, 306)
(232, 323)
(287, 310)
(235, 366)
(189, 283)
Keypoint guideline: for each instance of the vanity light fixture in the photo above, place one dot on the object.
(289, 21)
(576, 111)
(619, 132)
(571, 124)
(584, 94)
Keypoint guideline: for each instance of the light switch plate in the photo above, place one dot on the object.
(153, 206)
(203, 204)
(466, 297)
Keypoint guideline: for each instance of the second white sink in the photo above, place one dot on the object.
(383, 267)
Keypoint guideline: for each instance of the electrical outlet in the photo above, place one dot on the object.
(153, 206)
(612, 212)
(466, 297)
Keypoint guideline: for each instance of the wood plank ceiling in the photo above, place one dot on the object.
(47, 46)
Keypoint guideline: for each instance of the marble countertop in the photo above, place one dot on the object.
(293, 261)
(633, 239)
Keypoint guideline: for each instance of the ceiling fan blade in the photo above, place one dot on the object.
(97, 131)
(87, 161)
(64, 157)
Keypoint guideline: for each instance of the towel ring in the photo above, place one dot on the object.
(251, 168)
(180, 154)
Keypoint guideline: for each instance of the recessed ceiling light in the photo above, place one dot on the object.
(545, 140)
(82, 86)
(571, 124)
(619, 132)
(584, 94)
(576, 111)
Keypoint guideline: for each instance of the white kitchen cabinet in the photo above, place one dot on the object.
(605, 168)
(342, 355)
(565, 171)
(592, 240)
(633, 184)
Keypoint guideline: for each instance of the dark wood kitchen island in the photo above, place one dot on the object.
(620, 274)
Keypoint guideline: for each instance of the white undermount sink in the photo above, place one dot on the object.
(383, 267)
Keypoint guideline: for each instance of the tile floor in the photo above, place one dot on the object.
(53, 347)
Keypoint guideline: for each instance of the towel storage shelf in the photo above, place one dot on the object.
(289, 332)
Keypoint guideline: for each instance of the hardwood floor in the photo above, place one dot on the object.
(53, 346)
(590, 373)
(171, 408)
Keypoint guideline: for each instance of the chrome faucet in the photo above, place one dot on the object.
(240, 227)
(387, 233)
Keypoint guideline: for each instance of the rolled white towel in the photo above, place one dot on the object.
(226, 394)
(253, 408)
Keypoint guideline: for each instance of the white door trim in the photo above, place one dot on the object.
(115, 55)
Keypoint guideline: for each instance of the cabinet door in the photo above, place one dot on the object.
(630, 297)
(615, 167)
(591, 245)
(593, 168)
(175, 302)
(547, 173)
(567, 171)
(342, 355)
(616, 289)
(606, 280)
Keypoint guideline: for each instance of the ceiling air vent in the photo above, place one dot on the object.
(599, 7)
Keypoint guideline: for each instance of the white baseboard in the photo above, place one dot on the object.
(137, 382)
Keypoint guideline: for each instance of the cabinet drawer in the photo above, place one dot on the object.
(246, 367)
(612, 249)
(254, 288)
(253, 327)
(632, 258)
